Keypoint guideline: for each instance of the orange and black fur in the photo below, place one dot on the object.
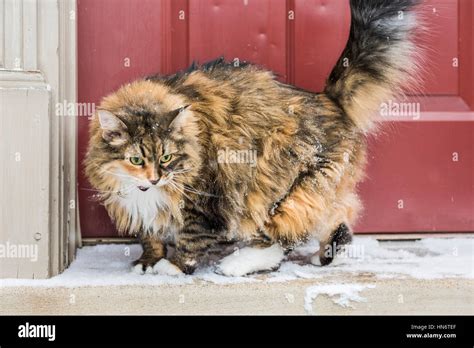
(156, 148)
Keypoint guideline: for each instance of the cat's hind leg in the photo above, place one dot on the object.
(260, 255)
(329, 248)
(309, 211)
(153, 251)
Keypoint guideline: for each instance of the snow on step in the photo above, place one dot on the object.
(341, 294)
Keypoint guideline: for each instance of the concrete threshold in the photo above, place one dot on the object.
(389, 297)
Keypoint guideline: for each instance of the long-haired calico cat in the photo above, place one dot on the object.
(219, 153)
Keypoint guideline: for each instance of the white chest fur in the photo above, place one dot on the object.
(143, 207)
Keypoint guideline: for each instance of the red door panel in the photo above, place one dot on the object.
(421, 175)
(248, 30)
(409, 162)
(321, 32)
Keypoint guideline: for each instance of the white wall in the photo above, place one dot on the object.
(38, 215)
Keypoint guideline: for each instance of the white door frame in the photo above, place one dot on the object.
(38, 145)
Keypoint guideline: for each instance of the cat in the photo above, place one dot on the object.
(222, 154)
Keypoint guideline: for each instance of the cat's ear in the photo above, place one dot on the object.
(176, 119)
(114, 131)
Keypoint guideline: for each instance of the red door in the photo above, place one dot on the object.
(420, 173)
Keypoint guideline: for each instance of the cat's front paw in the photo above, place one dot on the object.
(186, 264)
(144, 265)
(164, 267)
(251, 260)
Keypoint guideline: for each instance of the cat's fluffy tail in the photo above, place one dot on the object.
(380, 58)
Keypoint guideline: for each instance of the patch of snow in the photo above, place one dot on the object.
(101, 265)
(431, 258)
(212, 277)
(341, 294)
(292, 271)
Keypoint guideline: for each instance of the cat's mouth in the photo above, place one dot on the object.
(143, 188)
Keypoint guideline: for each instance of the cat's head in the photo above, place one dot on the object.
(143, 138)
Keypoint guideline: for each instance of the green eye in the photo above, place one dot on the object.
(165, 158)
(137, 161)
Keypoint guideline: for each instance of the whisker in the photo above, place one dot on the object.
(99, 191)
(175, 186)
(126, 189)
(181, 171)
(193, 190)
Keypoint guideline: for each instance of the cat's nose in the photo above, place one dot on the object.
(154, 182)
